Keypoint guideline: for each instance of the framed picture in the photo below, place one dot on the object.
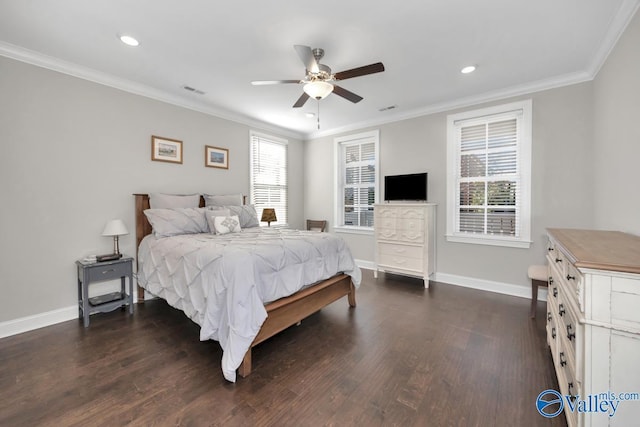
(166, 150)
(216, 157)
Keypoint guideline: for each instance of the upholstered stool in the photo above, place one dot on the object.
(539, 277)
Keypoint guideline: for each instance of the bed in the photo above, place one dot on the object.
(242, 288)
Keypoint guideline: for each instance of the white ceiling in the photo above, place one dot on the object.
(218, 47)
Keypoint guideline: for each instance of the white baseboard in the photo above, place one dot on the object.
(37, 321)
(470, 282)
(40, 320)
(489, 286)
(367, 265)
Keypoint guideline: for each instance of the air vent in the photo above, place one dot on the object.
(390, 107)
(192, 89)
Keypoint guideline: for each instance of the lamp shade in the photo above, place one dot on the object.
(115, 227)
(318, 89)
(268, 215)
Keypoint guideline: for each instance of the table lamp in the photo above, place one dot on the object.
(115, 228)
(268, 216)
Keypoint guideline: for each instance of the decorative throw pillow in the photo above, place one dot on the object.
(170, 222)
(226, 224)
(247, 215)
(221, 201)
(171, 201)
(211, 213)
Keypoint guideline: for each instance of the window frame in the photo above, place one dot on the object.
(253, 135)
(523, 111)
(339, 177)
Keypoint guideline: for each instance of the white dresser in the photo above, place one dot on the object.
(593, 323)
(405, 239)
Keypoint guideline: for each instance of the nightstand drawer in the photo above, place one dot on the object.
(113, 271)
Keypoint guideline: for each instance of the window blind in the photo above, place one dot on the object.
(359, 165)
(488, 177)
(269, 176)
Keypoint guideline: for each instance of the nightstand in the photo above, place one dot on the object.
(89, 273)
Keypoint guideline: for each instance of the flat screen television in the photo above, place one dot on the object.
(405, 187)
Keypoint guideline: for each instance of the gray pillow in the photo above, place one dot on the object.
(247, 215)
(210, 214)
(227, 200)
(172, 201)
(171, 222)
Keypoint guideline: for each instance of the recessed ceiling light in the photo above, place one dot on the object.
(468, 69)
(128, 40)
(310, 115)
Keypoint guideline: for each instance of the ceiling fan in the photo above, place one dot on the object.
(319, 80)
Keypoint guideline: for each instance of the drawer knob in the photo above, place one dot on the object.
(563, 360)
(570, 390)
(553, 333)
(555, 292)
(549, 249)
(549, 316)
(561, 310)
(558, 260)
(570, 277)
(551, 280)
(570, 333)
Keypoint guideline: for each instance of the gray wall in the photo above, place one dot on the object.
(586, 146)
(617, 135)
(562, 173)
(73, 153)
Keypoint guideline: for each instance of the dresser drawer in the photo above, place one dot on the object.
(109, 271)
(574, 281)
(411, 213)
(401, 250)
(567, 323)
(401, 262)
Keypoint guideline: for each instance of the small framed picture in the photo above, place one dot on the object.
(166, 150)
(216, 157)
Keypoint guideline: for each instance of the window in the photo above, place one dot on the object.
(269, 175)
(489, 176)
(356, 180)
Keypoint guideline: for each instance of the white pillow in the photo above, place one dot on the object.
(172, 201)
(227, 200)
(170, 222)
(247, 215)
(211, 213)
(226, 224)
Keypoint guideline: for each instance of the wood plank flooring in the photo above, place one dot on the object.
(446, 356)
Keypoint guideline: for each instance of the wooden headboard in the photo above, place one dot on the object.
(142, 223)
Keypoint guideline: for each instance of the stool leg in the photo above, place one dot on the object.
(534, 298)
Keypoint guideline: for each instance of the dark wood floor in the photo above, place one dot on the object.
(447, 356)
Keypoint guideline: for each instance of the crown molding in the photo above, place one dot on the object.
(44, 61)
(618, 25)
(501, 94)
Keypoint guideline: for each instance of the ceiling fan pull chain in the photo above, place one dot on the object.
(318, 101)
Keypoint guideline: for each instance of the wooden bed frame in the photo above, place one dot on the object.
(281, 313)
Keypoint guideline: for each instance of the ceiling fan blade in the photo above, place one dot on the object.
(273, 82)
(360, 71)
(346, 94)
(306, 55)
(300, 102)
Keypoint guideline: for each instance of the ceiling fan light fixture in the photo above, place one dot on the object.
(318, 89)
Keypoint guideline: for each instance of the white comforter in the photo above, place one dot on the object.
(223, 281)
